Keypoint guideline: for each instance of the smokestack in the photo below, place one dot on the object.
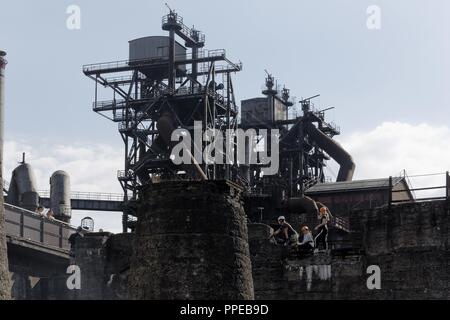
(4, 273)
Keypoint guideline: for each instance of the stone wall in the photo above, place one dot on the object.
(27, 287)
(280, 274)
(409, 242)
(4, 274)
(191, 243)
(104, 261)
(90, 257)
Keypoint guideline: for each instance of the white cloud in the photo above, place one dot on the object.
(395, 146)
(92, 168)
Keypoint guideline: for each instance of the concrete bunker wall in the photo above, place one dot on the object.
(409, 242)
(191, 243)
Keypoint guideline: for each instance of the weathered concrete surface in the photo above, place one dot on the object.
(90, 257)
(279, 274)
(119, 249)
(409, 242)
(4, 274)
(104, 261)
(36, 274)
(5, 287)
(26, 287)
(191, 243)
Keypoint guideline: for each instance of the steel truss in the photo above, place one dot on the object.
(169, 91)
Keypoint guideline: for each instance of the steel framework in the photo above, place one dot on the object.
(302, 157)
(153, 96)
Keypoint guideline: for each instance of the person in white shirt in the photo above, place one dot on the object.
(307, 244)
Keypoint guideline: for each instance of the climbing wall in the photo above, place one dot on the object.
(191, 243)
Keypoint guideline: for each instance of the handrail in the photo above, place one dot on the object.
(341, 223)
(150, 60)
(174, 18)
(78, 195)
(446, 187)
(35, 215)
(40, 231)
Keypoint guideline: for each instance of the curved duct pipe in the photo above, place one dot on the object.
(22, 190)
(165, 128)
(302, 205)
(342, 157)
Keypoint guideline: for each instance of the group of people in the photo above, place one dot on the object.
(285, 234)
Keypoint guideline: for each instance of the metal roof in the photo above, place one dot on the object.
(353, 185)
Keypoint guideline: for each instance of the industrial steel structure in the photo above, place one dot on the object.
(305, 144)
(164, 86)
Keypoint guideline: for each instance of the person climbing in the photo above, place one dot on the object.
(322, 236)
(73, 240)
(307, 244)
(285, 234)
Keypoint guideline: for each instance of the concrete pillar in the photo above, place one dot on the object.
(191, 243)
(4, 273)
(90, 257)
(5, 289)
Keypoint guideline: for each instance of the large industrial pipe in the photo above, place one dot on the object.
(5, 291)
(60, 201)
(330, 146)
(22, 189)
(301, 205)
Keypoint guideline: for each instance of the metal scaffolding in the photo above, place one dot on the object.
(155, 95)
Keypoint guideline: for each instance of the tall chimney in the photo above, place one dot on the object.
(5, 289)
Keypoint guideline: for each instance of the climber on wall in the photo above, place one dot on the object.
(307, 244)
(285, 234)
(73, 239)
(321, 238)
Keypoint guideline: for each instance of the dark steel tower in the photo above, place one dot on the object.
(305, 144)
(164, 86)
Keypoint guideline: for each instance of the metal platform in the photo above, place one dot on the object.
(27, 229)
(89, 201)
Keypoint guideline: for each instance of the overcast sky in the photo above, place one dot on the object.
(389, 86)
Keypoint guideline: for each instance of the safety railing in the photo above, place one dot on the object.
(125, 175)
(175, 19)
(430, 188)
(98, 67)
(123, 115)
(341, 223)
(124, 80)
(28, 225)
(121, 64)
(172, 18)
(118, 104)
(100, 196)
(231, 67)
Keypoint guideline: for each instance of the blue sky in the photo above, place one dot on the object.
(398, 74)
